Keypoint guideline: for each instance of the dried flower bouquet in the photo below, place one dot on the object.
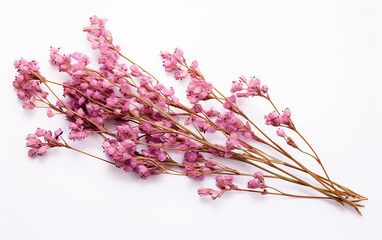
(150, 124)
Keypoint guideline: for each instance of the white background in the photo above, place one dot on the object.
(320, 58)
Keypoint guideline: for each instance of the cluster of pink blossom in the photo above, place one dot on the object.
(199, 89)
(39, 147)
(253, 87)
(27, 84)
(195, 165)
(146, 118)
(275, 119)
(223, 182)
(257, 181)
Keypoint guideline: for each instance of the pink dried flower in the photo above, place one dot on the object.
(258, 174)
(230, 103)
(178, 55)
(198, 90)
(272, 119)
(287, 112)
(257, 182)
(232, 141)
(165, 54)
(40, 132)
(229, 122)
(254, 183)
(194, 64)
(49, 113)
(243, 79)
(285, 117)
(236, 86)
(264, 89)
(209, 192)
(210, 163)
(180, 74)
(135, 71)
(281, 132)
(212, 113)
(143, 171)
(155, 152)
(224, 182)
(254, 86)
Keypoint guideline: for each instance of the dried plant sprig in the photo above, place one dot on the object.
(151, 124)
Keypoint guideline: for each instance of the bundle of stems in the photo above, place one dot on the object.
(150, 124)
